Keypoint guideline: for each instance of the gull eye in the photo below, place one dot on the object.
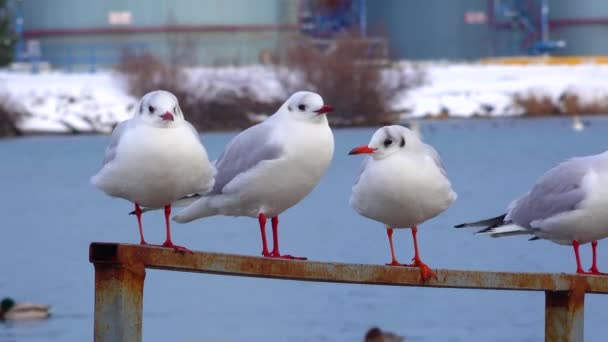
(151, 109)
(402, 142)
(175, 110)
(387, 142)
(302, 107)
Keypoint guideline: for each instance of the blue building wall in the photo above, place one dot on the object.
(44, 14)
(581, 39)
(435, 29)
(430, 29)
(197, 46)
(416, 29)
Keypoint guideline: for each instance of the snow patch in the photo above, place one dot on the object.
(63, 103)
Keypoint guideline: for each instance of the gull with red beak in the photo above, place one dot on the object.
(270, 167)
(154, 159)
(402, 184)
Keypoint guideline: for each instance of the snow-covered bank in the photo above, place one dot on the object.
(466, 90)
(64, 103)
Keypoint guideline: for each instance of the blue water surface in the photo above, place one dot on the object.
(50, 213)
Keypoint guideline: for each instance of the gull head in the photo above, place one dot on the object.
(387, 141)
(159, 108)
(305, 106)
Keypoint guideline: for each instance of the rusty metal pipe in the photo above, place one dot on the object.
(120, 274)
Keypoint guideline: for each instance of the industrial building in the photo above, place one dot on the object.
(94, 33)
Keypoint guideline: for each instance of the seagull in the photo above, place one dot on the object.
(567, 205)
(577, 124)
(154, 159)
(402, 183)
(270, 167)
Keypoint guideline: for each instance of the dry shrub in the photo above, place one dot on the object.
(568, 103)
(572, 105)
(8, 119)
(146, 73)
(352, 74)
(227, 110)
(536, 105)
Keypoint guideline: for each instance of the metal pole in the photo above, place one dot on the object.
(363, 17)
(19, 46)
(564, 315)
(119, 290)
(544, 22)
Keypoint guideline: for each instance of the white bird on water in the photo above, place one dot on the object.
(270, 167)
(567, 205)
(401, 184)
(577, 124)
(154, 159)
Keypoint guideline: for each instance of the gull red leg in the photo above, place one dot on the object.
(262, 221)
(579, 266)
(425, 271)
(168, 243)
(142, 241)
(394, 262)
(594, 269)
(275, 242)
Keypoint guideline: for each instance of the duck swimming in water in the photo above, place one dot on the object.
(11, 310)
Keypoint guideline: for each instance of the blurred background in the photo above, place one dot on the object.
(536, 71)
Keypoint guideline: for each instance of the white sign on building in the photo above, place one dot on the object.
(119, 18)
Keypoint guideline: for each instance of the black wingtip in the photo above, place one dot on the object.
(534, 238)
(132, 213)
(462, 225)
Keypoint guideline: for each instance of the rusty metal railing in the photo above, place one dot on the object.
(120, 273)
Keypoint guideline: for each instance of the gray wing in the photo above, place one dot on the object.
(436, 158)
(117, 133)
(557, 191)
(243, 153)
(362, 169)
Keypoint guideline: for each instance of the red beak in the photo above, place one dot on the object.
(167, 116)
(362, 149)
(324, 110)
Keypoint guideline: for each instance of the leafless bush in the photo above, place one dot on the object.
(537, 105)
(568, 103)
(351, 73)
(227, 110)
(8, 118)
(572, 104)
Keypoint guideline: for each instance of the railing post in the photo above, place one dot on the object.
(564, 315)
(119, 290)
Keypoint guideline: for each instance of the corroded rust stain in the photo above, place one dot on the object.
(118, 301)
(251, 266)
(120, 274)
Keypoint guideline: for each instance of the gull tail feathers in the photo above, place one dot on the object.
(182, 202)
(489, 223)
(502, 231)
(202, 207)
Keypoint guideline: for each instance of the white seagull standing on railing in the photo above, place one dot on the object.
(270, 167)
(402, 183)
(568, 205)
(154, 159)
